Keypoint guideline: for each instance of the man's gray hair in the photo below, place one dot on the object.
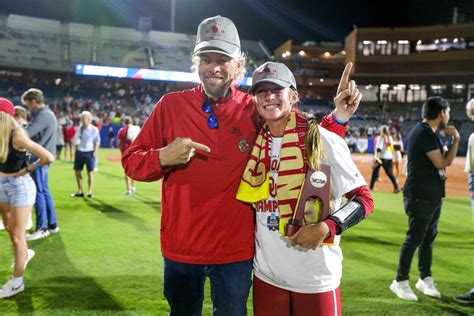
(87, 113)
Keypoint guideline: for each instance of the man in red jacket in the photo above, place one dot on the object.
(198, 141)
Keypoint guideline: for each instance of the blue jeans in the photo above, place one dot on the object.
(45, 213)
(230, 286)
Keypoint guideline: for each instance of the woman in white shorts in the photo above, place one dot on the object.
(17, 190)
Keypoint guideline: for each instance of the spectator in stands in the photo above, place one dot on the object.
(422, 196)
(201, 176)
(111, 137)
(384, 158)
(17, 190)
(69, 131)
(468, 298)
(42, 129)
(398, 152)
(125, 137)
(86, 152)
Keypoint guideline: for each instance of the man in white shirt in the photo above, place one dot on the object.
(86, 152)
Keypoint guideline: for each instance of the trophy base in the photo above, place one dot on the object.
(291, 230)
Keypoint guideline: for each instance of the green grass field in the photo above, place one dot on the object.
(107, 260)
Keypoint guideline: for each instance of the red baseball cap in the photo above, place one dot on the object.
(7, 107)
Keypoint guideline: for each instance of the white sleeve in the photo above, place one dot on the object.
(380, 142)
(345, 176)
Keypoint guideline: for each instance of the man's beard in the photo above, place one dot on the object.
(216, 94)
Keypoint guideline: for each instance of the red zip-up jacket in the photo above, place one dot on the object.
(201, 221)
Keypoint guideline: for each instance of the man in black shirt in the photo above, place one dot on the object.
(422, 193)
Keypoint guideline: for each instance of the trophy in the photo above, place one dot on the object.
(313, 202)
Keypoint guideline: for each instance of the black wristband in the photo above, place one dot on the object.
(348, 215)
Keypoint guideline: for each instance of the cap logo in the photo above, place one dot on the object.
(215, 31)
(268, 72)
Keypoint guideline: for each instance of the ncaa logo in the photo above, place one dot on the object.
(318, 179)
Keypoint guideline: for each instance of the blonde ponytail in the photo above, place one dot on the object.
(314, 147)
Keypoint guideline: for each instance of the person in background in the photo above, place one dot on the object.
(398, 150)
(111, 137)
(125, 137)
(98, 123)
(86, 152)
(59, 141)
(42, 129)
(69, 132)
(376, 136)
(468, 297)
(17, 190)
(21, 116)
(423, 192)
(384, 158)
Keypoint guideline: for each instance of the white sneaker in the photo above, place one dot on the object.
(30, 254)
(403, 290)
(37, 235)
(134, 189)
(54, 230)
(9, 290)
(427, 286)
(2, 227)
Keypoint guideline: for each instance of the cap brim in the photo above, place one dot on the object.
(217, 46)
(277, 81)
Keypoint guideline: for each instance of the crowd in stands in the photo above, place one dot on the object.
(111, 99)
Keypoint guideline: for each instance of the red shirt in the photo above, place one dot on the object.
(201, 221)
(122, 137)
(69, 132)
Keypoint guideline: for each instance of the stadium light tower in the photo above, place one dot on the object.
(173, 11)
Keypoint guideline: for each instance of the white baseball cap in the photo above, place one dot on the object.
(217, 35)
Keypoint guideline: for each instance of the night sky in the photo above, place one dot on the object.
(274, 22)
